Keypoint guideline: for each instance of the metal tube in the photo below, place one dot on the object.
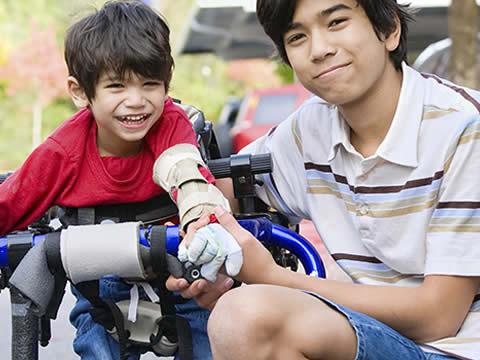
(24, 328)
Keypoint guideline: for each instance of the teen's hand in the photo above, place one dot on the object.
(258, 264)
(202, 291)
(212, 247)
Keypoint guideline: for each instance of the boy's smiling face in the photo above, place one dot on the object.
(335, 51)
(125, 110)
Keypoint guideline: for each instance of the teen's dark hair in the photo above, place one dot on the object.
(123, 37)
(276, 17)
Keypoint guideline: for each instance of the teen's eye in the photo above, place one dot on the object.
(294, 38)
(336, 22)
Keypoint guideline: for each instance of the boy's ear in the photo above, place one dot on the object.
(393, 40)
(77, 93)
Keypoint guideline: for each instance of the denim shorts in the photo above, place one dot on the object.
(377, 341)
(92, 342)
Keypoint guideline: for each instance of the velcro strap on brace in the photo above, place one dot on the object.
(194, 199)
(92, 251)
(173, 163)
(177, 170)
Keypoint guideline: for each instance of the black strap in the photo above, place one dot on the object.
(158, 208)
(183, 333)
(54, 263)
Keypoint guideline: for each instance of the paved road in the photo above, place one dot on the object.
(60, 347)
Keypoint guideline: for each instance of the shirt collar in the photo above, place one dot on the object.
(400, 145)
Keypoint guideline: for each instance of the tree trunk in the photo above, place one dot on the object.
(37, 123)
(463, 29)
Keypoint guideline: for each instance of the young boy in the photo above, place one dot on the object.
(383, 160)
(120, 67)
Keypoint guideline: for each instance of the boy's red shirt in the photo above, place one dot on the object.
(67, 170)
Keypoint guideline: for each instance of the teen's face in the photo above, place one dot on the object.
(335, 51)
(125, 110)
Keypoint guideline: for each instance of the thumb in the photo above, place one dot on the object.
(229, 223)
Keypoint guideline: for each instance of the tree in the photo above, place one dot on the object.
(36, 67)
(463, 29)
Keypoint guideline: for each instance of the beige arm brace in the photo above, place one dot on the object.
(177, 170)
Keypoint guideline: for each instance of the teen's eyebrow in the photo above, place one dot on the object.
(324, 13)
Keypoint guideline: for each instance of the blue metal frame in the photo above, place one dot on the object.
(261, 228)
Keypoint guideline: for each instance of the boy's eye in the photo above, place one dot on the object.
(153, 83)
(114, 85)
(336, 22)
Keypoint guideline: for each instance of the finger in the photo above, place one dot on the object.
(230, 224)
(169, 223)
(174, 284)
(194, 227)
(201, 222)
(209, 297)
(195, 289)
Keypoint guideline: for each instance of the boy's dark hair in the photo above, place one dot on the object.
(122, 37)
(276, 17)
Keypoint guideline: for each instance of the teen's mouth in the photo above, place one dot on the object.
(331, 71)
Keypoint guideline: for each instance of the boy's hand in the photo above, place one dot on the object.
(211, 246)
(203, 292)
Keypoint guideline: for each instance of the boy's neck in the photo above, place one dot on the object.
(370, 117)
(118, 150)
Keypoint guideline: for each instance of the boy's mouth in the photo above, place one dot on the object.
(133, 119)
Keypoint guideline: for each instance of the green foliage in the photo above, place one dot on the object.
(285, 73)
(199, 80)
(16, 127)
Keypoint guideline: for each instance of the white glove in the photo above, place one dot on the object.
(211, 247)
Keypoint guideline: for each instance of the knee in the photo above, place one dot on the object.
(242, 317)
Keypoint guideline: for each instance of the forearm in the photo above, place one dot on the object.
(423, 313)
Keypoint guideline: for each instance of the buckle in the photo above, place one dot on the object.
(145, 327)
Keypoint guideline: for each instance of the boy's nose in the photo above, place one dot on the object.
(135, 98)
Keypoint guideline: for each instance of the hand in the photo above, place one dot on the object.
(211, 246)
(258, 264)
(202, 291)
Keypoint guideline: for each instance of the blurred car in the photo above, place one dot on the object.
(224, 124)
(244, 120)
(263, 109)
(436, 57)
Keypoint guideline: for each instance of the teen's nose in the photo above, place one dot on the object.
(320, 46)
(135, 98)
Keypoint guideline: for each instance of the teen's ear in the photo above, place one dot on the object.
(393, 40)
(77, 93)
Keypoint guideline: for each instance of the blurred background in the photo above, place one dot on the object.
(223, 64)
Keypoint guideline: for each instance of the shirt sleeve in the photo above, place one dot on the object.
(284, 188)
(31, 190)
(453, 246)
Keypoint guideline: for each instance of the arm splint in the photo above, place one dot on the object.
(177, 172)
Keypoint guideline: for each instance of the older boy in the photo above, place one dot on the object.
(382, 161)
(120, 69)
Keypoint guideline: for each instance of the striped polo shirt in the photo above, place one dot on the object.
(410, 210)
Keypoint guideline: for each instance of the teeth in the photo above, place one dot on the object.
(134, 118)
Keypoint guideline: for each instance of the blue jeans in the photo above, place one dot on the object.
(92, 342)
(377, 341)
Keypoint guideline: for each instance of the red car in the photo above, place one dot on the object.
(263, 109)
